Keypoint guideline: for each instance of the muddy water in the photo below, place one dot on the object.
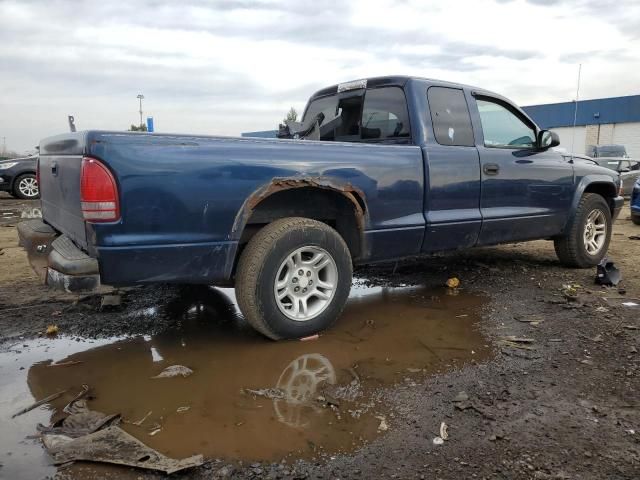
(22, 211)
(248, 398)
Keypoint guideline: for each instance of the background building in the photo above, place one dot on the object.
(601, 121)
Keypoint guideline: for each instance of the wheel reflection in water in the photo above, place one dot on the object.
(299, 383)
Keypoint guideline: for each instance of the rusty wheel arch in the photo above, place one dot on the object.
(353, 194)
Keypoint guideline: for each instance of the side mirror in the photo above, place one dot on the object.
(548, 139)
(625, 170)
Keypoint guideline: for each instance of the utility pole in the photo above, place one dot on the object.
(140, 97)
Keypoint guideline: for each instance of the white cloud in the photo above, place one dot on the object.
(223, 67)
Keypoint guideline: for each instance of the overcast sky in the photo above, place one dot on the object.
(224, 67)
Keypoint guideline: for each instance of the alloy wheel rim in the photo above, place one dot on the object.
(305, 283)
(28, 187)
(595, 232)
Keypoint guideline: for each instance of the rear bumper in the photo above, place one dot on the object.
(64, 266)
(56, 259)
(618, 202)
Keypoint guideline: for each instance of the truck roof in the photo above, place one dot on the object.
(393, 80)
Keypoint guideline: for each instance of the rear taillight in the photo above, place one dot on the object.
(98, 192)
(38, 173)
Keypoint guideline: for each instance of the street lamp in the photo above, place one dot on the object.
(140, 97)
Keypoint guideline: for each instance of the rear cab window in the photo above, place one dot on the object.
(377, 115)
(450, 116)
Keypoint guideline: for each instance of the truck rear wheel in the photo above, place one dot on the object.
(293, 278)
(588, 234)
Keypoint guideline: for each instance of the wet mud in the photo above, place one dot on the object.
(317, 397)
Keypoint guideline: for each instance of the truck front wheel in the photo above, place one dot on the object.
(588, 234)
(293, 278)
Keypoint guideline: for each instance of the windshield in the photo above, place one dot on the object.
(611, 151)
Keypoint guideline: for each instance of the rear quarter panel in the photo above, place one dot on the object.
(182, 194)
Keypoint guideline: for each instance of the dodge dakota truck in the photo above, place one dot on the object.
(378, 169)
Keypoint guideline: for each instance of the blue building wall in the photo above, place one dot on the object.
(590, 112)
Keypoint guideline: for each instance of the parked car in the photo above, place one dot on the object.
(607, 151)
(628, 169)
(18, 177)
(635, 203)
(400, 166)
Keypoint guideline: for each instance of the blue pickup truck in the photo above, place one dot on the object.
(379, 169)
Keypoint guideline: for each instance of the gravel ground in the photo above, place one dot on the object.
(565, 405)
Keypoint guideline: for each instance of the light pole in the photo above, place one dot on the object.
(140, 97)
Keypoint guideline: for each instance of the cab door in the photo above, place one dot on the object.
(452, 173)
(526, 190)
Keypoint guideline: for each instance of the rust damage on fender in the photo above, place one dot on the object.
(280, 184)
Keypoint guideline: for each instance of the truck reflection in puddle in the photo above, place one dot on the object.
(250, 398)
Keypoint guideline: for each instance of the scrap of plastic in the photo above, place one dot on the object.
(453, 282)
(607, 273)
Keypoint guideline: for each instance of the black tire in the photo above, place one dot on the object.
(570, 248)
(17, 187)
(260, 262)
(635, 219)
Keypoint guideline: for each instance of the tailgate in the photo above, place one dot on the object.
(60, 163)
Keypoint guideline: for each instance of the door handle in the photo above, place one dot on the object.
(491, 168)
(54, 169)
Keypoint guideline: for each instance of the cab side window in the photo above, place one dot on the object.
(502, 128)
(450, 116)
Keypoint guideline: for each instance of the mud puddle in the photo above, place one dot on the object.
(248, 398)
(17, 213)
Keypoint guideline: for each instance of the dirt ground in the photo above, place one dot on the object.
(563, 405)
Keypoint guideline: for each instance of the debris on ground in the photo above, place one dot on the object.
(453, 282)
(48, 399)
(607, 274)
(438, 441)
(310, 337)
(570, 292)
(444, 431)
(515, 342)
(89, 435)
(114, 445)
(513, 338)
(81, 421)
(110, 302)
(52, 330)
(383, 426)
(142, 420)
(530, 319)
(65, 364)
(175, 371)
(461, 397)
(271, 393)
